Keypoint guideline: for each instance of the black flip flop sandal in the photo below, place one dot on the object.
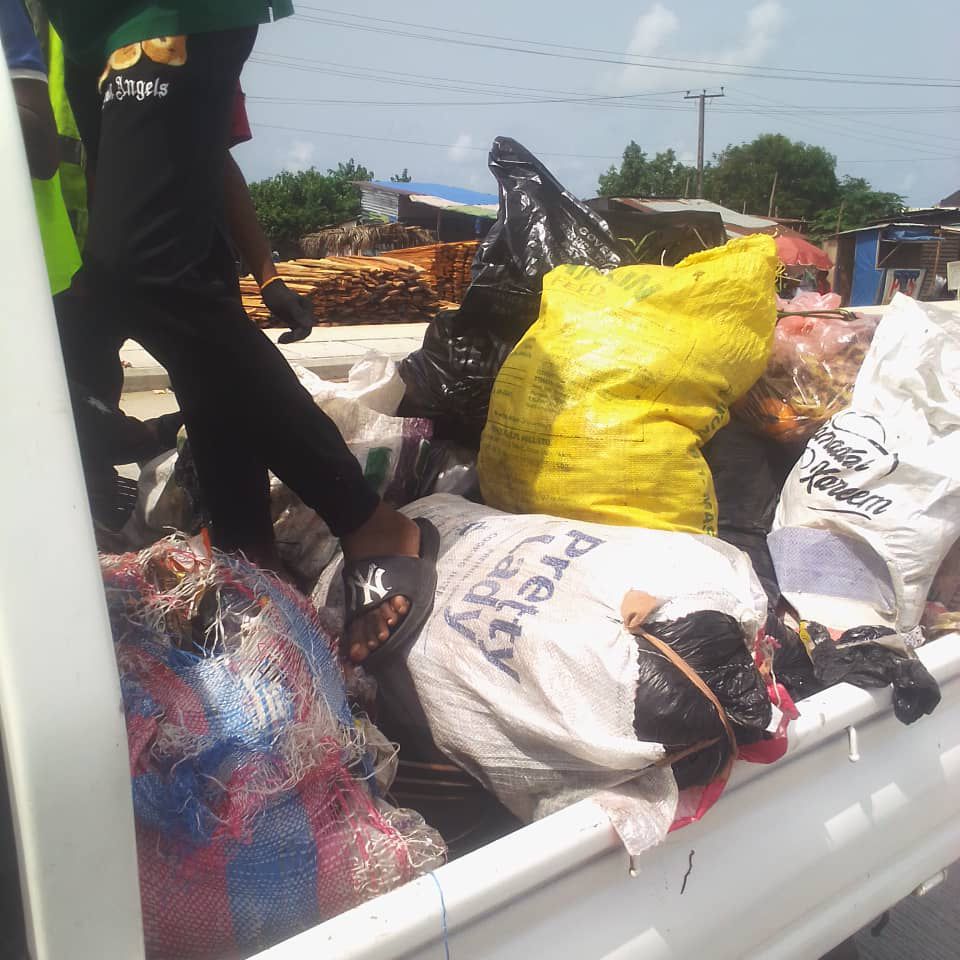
(370, 582)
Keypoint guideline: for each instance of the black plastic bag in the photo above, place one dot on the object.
(748, 474)
(791, 662)
(858, 659)
(540, 226)
(450, 378)
(448, 470)
(672, 711)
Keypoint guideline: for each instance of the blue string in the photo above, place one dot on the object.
(443, 917)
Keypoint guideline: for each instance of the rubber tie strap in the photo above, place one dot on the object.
(701, 685)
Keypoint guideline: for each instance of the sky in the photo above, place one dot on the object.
(876, 83)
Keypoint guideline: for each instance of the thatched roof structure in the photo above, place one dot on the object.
(356, 240)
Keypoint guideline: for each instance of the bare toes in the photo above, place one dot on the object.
(358, 652)
(373, 629)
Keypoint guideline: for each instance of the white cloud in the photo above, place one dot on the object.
(761, 31)
(651, 30)
(461, 149)
(650, 34)
(299, 155)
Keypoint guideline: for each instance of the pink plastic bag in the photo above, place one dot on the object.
(808, 300)
(694, 802)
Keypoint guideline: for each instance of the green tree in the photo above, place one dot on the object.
(291, 205)
(351, 172)
(638, 176)
(630, 178)
(742, 177)
(401, 177)
(857, 204)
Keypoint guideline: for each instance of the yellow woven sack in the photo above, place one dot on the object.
(600, 411)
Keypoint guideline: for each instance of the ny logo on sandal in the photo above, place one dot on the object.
(369, 587)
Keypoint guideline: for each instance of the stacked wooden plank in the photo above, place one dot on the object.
(347, 290)
(448, 264)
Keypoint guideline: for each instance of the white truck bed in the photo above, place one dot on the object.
(794, 858)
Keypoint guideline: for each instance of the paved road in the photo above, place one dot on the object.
(920, 928)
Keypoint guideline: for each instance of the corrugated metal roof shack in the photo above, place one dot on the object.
(454, 213)
(909, 255)
(735, 224)
(657, 236)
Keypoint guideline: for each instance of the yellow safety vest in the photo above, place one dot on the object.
(59, 244)
(73, 180)
(61, 201)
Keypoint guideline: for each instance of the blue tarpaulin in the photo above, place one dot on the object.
(867, 287)
(465, 198)
(914, 234)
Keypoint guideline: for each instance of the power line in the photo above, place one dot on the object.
(598, 100)
(592, 101)
(900, 159)
(559, 96)
(460, 38)
(875, 134)
(561, 46)
(879, 139)
(542, 153)
(625, 101)
(781, 113)
(424, 143)
(892, 111)
(775, 115)
(447, 84)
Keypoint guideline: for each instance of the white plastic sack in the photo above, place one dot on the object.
(374, 382)
(524, 674)
(873, 506)
(388, 448)
(162, 506)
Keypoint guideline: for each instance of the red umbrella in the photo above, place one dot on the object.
(795, 251)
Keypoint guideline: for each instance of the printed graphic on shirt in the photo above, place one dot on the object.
(123, 88)
(169, 50)
(165, 51)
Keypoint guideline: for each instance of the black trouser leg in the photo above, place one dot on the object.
(245, 412)
(157, 258)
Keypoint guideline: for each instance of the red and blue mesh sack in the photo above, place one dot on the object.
(256, 797)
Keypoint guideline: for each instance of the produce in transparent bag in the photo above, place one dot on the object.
(810, 375)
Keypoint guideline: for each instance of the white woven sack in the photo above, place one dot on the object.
(883, 477)
(524, 673)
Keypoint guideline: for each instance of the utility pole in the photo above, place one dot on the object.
(773, 192)
(703, 97)
(840, 216)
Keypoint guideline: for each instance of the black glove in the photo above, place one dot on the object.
(290, 309)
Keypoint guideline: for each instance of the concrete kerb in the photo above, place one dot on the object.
(329, 352)
(144, 379)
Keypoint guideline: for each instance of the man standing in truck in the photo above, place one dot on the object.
(159, 80)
